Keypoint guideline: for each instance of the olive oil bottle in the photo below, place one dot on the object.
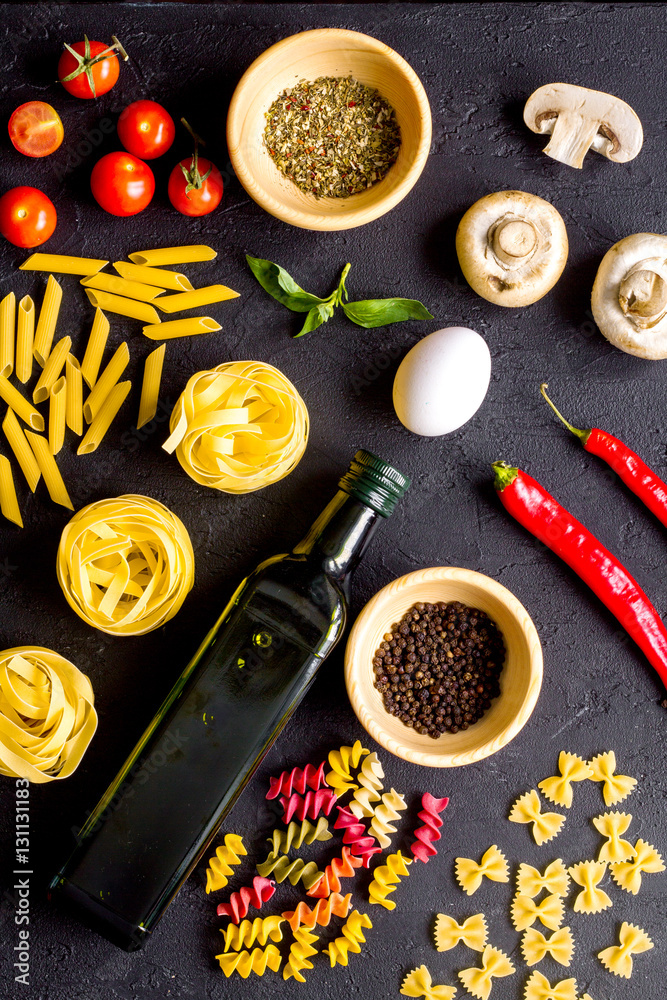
(154, 821)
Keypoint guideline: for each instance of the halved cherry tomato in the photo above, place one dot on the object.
(89, 69)
(27, 216)
(190, 191)
(122, 184)
(35, 129)
(146, 129)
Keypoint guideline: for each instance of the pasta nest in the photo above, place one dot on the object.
(47, 718)
(238, 427)
(125, 564)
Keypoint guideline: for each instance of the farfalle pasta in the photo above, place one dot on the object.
(351, 938)
(615, 787)
(47, 714)
(525, 911)
(125, 565)
(591, 899)
(334, 905)
(220, 866)
(238, 427)
(559, 789)
(282, 867)
(538, 987)
(299, 954)
(495, 965)
(329, 882)
(422, 848)
(385, 879)
(296, 834)
(369, 789)
(632, 941)
(611, 825)
(469, 873)
(245, 962)
(528, 809)
(530, 881)
(628, 874)
(472, 932)
(341, 762)
(385, 814)
(418, 983)
(535, 946)
(260, 930)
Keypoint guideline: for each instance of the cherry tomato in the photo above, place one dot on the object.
(122, 184)
(146, 129)
(89, 69)
(27, 217)
(35, 129)
(204, 182)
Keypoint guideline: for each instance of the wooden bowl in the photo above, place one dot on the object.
(520, 680)
(306, 56)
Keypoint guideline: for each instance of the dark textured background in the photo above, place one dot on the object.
(478, 63)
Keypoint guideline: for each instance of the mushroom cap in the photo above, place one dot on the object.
(649, 249)
(618, 136)
(531, 228)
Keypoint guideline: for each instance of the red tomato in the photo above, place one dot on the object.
(27, 217)
(122, 184)
(204, 182)
(146, 129)
(89, 69)
(36, 129)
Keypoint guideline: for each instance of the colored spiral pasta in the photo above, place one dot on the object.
(220, 867)
(245, 962)
(240, 902)
(355, 836)
(309, 806)
(384, 815)
(370, 787)
(238, 427)
(296, 780)
(261, 930)
(299, 833)
(281, 867)
(351, 939)
(425, 835)
(301, 950)
(342, 867)
(125, 565)
(341, 762)
(334, 905)
(385, 879)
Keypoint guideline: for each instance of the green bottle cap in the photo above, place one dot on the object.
(374, 482)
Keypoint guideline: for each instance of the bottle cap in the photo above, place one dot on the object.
(374, 482)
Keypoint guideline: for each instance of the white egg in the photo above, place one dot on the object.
(442, 381)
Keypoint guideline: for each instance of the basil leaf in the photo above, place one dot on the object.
(316, 317)
(380, 312)
(277, 282)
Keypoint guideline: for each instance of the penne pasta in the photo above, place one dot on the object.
(154, 276)
(150, 388)
(7, 324)
(48, 317)
(106, 382)
(62, 264)
(122, 306)
(173, 255)
(122, 286)
(74, 395)
(49, 469)
(23, 453)
(52, 369)
(196, 298)
(9, 504)
(104, 418)
(20, 405)
(57, 410)
(181, 328)
(97, 341)
(25, 336)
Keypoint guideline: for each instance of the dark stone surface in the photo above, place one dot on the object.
(478, 63)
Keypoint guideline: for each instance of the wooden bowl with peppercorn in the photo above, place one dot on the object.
(329, 129)
(443, 667)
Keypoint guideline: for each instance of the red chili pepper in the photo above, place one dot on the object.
(609, 580)
(629, 467)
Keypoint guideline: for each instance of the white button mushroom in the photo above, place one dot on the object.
(629, 299)
(578, 119)
(512, 247)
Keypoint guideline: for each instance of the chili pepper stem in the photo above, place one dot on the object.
(583, 435)
(505, 475)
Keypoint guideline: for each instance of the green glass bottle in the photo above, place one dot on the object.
(154, 821)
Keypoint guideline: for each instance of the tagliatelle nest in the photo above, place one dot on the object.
(125, 564)
(47, 717)
(238, 427)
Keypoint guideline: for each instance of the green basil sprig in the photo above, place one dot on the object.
(367, 313)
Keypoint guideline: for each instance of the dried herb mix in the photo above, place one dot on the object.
(333, 137)
(438, 668)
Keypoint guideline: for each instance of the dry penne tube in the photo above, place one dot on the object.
(62, 263)
(122, 306)
(7, 325)
(154, 276)
(106, 382)
(173, 255)
(9, 504)
(49, 469)
(150, 388)
(23, 453)
(25, 337)
(181, 328)
(48, 317)
(122, 286)
(97, 341)
(52, 369)
(104, 418)
(57, 410)
(20, 405)
(74, 395)
(197, 298)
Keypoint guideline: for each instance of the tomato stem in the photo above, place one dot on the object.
(85, 62)
(194, 181)
(583, 435)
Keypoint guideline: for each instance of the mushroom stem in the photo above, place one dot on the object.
(572, 136)
(642, 296)
(514, 240)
